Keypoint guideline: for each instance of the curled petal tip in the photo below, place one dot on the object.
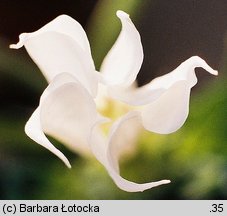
(155, 184)
(215, 72)
(65, 161)
(16, 46)
(211, 71)
(34, 130)
(22, 38)
(64, 16)
(166, 181)
(122, 14)
(68, 165)
(202, 63)
(12, 46)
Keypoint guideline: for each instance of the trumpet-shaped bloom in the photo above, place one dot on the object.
(77, 101)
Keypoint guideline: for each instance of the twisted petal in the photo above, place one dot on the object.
(169, 112)
(123, 62)
(61, 46)
(107, 152)
(165, 99)
(33, 129)
(66, 112)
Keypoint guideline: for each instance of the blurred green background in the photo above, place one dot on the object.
(194, 158)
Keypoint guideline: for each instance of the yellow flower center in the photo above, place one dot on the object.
(110, 108)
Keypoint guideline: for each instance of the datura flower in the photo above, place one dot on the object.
(78, 100)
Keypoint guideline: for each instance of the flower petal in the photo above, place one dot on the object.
(66, 112)
(168, 109)
(34, 130)
(61, 46)
(122, 64)
(158, 86)
(107, 153)
(169, 112)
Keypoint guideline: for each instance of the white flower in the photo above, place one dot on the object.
(72, 105)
